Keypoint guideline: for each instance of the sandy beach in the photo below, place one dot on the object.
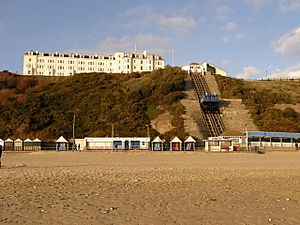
(150, 188)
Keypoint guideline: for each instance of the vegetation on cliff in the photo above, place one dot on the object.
(44, 106)
(260, 98)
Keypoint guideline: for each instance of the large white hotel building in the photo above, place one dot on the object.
(63, 64)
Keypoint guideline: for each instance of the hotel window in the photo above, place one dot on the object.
(29, 59)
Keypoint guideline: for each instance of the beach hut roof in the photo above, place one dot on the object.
(9, 140)
(157, 139)
(1, 140)
(28, 140)
(37, 140)
(189, 139)
(176, 139)
(61, 139)
(18, 140)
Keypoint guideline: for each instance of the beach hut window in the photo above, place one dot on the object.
(175, 146)
(62, 146)
(135, 144)
(157, 146)
(117, 145)
(189, 146)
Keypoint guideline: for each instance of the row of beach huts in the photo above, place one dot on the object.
(20, 145)
(228, 141)
(101, 143)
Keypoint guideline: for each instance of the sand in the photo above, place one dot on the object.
(150, 188)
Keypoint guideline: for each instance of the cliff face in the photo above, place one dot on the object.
(44, 107)
(261, 99)
(236, 116)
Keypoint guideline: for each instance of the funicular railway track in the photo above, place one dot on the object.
(211, 116)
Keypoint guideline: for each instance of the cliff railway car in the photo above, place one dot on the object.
(210, 102)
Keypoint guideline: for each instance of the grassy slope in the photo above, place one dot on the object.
(44, 107)
(260, 98)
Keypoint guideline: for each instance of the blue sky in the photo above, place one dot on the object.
(249, 38)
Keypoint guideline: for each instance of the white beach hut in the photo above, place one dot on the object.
(18, 145)
(175, 144)
(36, 144)
(157, 144)
(8, 145)
(80, 144)
(189, 143)
(2, 143)
(62, 144)
(28, 145)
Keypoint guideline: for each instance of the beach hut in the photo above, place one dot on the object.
(189, 143)
(62, 144)
(157, 144)
(80, 144)
(2, 143)
(36, 144)
(18, 145)
(175, 144)
(8, 145)
(28, 145)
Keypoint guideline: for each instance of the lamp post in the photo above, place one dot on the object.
(148, 135)
(73, 132)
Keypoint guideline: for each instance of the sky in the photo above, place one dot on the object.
(251, 39)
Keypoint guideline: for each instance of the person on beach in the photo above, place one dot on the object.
(0, 154)
(296, 146)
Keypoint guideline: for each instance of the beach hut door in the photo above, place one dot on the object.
(126, 145)
(62, 146)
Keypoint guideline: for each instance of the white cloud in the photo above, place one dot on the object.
(230, 26)
(235, 37)
(138, 16)
(134, 11)
(180, 25)
(148, 42)
(248, 72)
(290, 72)
(258, 4)
(223, 11)
(289, 5)
(288, 44)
